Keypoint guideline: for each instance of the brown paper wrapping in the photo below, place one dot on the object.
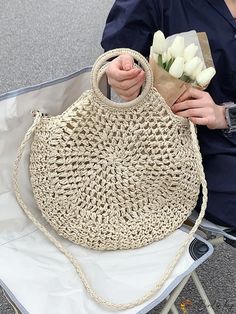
(171, 88)
(206, 51)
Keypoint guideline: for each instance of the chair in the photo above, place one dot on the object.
(32, 271)
(215, 234)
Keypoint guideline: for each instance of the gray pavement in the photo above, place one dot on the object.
(44, 40)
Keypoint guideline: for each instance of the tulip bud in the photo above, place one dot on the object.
(168, 54)
(191, 65)
(164, 57)
(151, 52)
(177, 47)
(177, 68)
(197, 71)
(204, 77)
(189, 52)
(159, 43)
(155, 57)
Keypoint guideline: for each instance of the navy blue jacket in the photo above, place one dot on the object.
(132, 23)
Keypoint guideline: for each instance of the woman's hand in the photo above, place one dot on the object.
(199, 107)
(125, 79)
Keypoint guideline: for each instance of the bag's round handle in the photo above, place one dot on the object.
(96, 75)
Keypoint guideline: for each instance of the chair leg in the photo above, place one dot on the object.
(173, 296)
(174, 309)
(202, 293)
(216, 241)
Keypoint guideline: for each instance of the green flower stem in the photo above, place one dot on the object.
(186, 79)
(160, 63)
(169, 64)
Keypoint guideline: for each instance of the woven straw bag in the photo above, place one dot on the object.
(111, 176)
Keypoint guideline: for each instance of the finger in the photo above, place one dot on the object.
(191, 113)
(114, 74)
(188, 104)
(115, 69)
(183, 97)
(191, 92)
(133, 90)
(126, 62)
(125, 85)
(131, 97)
(199, 121)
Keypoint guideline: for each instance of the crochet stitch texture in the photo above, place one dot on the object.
(109, 178)
(114, 176)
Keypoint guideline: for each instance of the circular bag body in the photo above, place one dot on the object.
(114, 178)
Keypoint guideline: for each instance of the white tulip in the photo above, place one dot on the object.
(168, 54)
(159, 42)
(197, 71)
(155, 57)
(177, 68)
(164, 57)
(151, 52)
(204, 77)
(177, 47)
(190, 51)
(191, 65)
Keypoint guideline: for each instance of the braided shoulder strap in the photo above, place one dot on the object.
(158, 285)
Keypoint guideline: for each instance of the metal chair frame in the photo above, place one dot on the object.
(215, 235)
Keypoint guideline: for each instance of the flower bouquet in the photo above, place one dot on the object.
(179, 61)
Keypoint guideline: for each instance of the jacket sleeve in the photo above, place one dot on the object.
(131, 24)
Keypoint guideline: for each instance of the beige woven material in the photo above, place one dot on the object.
(113, 176)
(114, 179)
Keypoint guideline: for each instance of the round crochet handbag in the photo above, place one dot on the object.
(111, 176)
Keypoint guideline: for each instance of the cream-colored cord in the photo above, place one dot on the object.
(75, 262)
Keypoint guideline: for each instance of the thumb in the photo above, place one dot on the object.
(126, 62)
